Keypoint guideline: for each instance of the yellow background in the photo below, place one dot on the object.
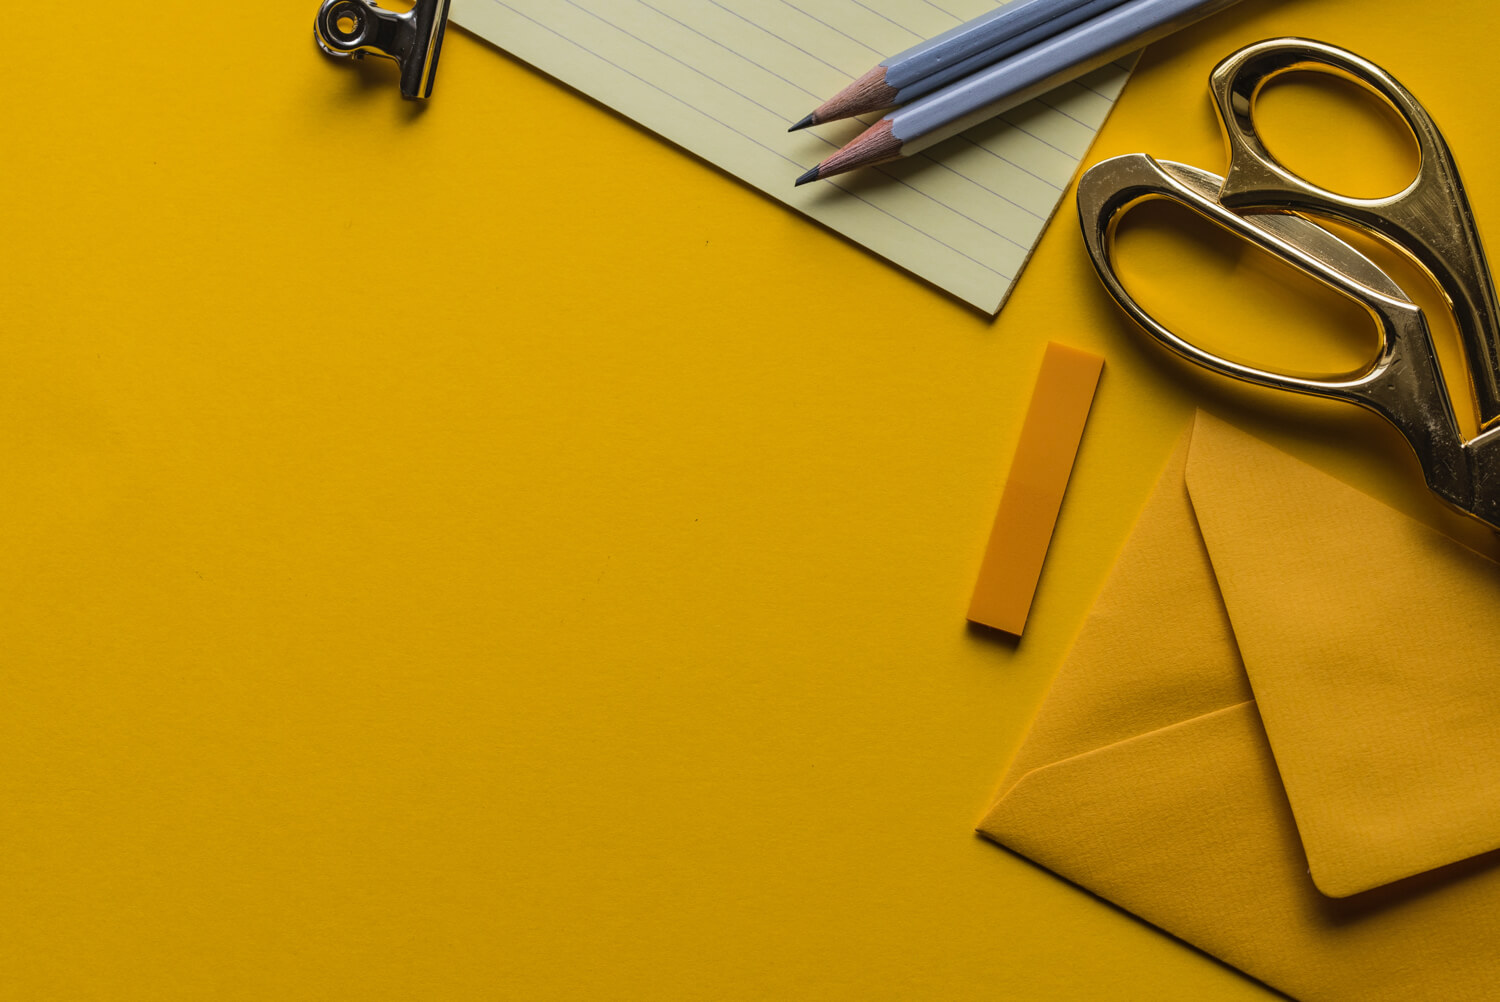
(481, 552)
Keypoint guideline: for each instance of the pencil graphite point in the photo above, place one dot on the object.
(876, 145)
(806, 121)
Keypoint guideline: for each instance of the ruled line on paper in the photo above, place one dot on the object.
(899, 219)
(730, 52)
(723, 78)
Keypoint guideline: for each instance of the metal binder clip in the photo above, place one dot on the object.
(351, 28)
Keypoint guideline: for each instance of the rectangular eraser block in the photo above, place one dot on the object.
(1034, 490)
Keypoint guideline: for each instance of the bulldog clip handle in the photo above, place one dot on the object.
(351, 28)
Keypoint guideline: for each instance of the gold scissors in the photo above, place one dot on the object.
(1264, 203)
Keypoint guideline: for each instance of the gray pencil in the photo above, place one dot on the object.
(1014, 81)
(954, 54)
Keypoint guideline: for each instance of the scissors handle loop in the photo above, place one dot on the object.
(1403, 383)
(1430, 220)
(1109, 189)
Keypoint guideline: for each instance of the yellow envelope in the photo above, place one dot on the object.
(1277, 735)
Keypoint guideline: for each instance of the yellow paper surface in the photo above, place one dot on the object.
(437, 568)
(725, 79)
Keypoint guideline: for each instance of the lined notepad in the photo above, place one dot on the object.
(724, 79)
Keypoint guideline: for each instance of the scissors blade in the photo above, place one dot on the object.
(1297, 230)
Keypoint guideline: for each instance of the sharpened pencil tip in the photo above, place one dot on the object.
(809, 120)
(811, 175)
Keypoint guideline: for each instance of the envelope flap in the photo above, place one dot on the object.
(1372, 644)
(1145, 677)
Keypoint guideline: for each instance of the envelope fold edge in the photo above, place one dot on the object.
(1370, 642)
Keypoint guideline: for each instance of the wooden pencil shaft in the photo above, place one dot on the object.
(869, 93)
(1061, 58)
(963, 67)
(973, 37)
(875, 145)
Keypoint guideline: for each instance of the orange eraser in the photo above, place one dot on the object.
(1034, 490)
